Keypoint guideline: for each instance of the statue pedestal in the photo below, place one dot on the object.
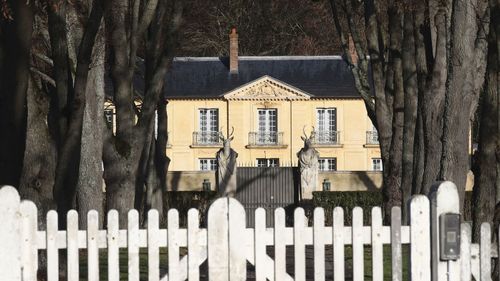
(308, 183)
(226, 172)
(306, 194)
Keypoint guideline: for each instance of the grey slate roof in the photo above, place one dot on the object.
(319, 76)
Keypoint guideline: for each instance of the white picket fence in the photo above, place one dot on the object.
(228, 244)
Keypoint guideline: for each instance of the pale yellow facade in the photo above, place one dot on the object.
(295, 111)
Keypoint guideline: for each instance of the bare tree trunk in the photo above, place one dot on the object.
(395, 91)
(69, 154)
(143, 175)
(162, 161)
(430, 107)
(40, 157)
(495, 26)
(59, 52)
(16, 43)
(154, 191)
(89, 191)
(410, 108)
(485, 193)
(466, 68)
(89, 188)
(433, 107)
(423, 60)
(122, 154)
(121, 165)
(125, 154)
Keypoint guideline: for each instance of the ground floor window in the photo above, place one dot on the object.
(268, 162)
(377, 164)
(328, 164)
(208, 164)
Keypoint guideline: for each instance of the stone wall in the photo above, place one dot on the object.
(340, 180)
(351, 181)
(189, 180)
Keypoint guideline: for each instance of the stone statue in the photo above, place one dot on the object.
(226, 167)
(309, 166)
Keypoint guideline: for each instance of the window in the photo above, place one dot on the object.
(268, 162)
(209, 125)
(208, 164)
(377, 164)
(328, 164)
(372, 136)
(268, 126)
(326, 125)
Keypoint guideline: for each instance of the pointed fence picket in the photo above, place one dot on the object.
(228, 244)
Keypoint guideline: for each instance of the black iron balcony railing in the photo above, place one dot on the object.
(265, 138)
(206, 138)
(372, 137)
(326, 138)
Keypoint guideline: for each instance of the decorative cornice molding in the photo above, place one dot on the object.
(266, 88)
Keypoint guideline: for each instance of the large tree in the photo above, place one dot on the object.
(63, 57)
(426, 61)
(487, 158)
(15, 45)
(130, 167)
(50, 91)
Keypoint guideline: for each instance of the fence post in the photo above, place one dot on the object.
(237, 241)
(444, 199)
(29, 249)
(227, 244)
(218, 240)
(10, 233)
(420, 238)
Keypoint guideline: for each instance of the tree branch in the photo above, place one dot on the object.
(360, 69)
(155, 89)
(59, 45)
(44, 76)
(147, 15)
(71, 146)
(44, 58)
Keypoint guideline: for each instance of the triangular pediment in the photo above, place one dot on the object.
(266, 88)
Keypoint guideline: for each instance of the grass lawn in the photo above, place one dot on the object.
(143, 267)
(387, 262)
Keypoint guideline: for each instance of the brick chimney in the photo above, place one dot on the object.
(233, 51)
(352, 51)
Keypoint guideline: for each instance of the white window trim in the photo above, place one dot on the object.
(328, 125)
(326, 159)
(209, 163)
(379, 163)
(268, 125)
(268, 160)
(209, 115)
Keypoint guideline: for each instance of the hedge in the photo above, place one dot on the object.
(201, 200)
(185, 200)
(364, 199)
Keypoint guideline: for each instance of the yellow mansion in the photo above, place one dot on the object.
(269, 102)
